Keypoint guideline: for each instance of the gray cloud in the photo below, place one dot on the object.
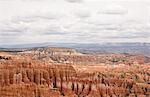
(54, 33)
(136, 36)
(34, 24)
(86, 22)
(74, 1)
(11, 29)
(82, 13)
(114, 12)
(36, 17)
(113, 9)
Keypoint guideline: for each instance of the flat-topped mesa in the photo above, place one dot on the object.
(69, 55)
(53, 51)
(63, 51)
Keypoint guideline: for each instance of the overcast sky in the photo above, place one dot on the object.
(74, 21)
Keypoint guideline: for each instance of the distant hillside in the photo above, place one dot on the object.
(133, 48)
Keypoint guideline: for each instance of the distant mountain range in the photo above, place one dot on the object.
(96, 48)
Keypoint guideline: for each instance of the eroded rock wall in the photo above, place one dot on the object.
(22, 76)
(63, 80)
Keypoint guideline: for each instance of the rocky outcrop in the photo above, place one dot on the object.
(68, 55)
(26, 77)
(62, 80)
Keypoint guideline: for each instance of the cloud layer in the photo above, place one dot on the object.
(74, 21)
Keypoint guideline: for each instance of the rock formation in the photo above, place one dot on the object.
(24, 76)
